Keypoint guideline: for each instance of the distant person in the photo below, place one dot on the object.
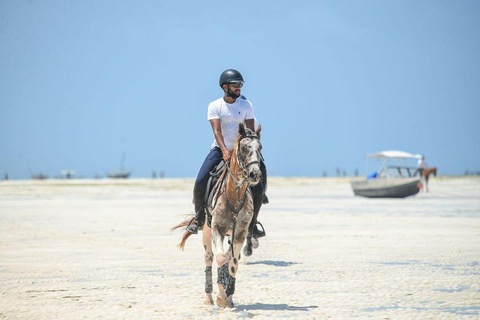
(224, 115)
(422, 165)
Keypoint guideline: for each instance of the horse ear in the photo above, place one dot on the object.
(257, 132)
(241, 128)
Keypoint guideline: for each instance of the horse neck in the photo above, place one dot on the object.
(239, 174)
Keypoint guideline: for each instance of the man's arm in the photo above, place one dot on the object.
(250, 124)
(217, 132)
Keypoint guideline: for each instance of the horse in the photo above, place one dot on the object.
(426, 174)
(231, 215)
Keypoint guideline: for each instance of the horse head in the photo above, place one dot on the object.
(249, 153)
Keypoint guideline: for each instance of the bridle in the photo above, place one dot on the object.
(244, 167)
(240, 160)
(240, 156)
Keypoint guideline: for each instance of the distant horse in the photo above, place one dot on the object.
(231, 215)
(426, 174)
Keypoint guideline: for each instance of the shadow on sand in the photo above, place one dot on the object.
(273, 263)
(278, 307)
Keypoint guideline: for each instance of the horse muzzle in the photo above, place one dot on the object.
(254, 175)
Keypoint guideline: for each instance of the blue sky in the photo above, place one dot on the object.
(330, 81)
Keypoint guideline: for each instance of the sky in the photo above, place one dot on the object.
(82, 82)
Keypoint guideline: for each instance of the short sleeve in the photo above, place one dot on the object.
(249, 113)
(212, 112)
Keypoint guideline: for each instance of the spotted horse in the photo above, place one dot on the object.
(231, 215)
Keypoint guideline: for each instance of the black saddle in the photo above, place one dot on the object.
(208, 200)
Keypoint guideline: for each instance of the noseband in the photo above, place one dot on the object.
(239, 155)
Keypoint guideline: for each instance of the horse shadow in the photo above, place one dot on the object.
(275, 307)
(273, 263)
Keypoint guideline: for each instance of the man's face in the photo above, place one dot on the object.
(234, 89)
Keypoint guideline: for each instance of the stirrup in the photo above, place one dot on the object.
(260, 233)
(193, 226)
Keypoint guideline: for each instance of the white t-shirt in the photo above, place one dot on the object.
(422, 164)
(230, 116)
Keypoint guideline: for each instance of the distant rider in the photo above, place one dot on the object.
(422, 165)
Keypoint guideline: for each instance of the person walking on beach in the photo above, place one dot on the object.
(224, 115)
(422, 165)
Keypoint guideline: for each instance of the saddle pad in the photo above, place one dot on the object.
(209, 200)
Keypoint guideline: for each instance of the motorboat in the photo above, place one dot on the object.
(392, 180)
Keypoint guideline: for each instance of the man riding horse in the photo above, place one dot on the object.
(422, 165)
(224, 115)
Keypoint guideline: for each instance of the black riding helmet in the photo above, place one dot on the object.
(230, 75)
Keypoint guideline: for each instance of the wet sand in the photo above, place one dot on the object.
(102, 249)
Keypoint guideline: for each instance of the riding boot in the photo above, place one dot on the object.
(264, 181)
(198, 221)
(257, 204)
(265, 199)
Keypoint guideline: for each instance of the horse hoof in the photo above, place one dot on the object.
(221, 302)
(208, 302)
(255, 243)
(247, 250)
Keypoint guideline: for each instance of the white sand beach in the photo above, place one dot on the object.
(88, 249)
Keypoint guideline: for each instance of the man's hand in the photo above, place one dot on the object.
(226, 155)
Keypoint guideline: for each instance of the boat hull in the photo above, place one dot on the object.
(386, 188)
(118, 175)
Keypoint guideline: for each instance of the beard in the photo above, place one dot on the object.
(232, 94)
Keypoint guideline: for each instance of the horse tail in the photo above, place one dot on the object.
(181, 245)
(187, 234)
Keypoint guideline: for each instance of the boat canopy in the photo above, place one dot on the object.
(394, 154)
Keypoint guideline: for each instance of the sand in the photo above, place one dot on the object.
(87, 249)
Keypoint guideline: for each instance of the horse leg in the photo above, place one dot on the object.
(207, 245)
(247, 250)
(233, 269)
(255, 243)
(252, 242)
(221, 258)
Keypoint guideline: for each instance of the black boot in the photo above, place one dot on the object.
(257, 233)
(265, 199)
(257, 204)
(198, 221)
(264, 181)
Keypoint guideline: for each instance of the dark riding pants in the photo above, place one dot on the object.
(214, 158)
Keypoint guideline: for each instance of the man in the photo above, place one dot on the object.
(224, 115)
(422, 165)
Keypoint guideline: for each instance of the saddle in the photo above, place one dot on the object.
(215, 182)
(213, 185)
